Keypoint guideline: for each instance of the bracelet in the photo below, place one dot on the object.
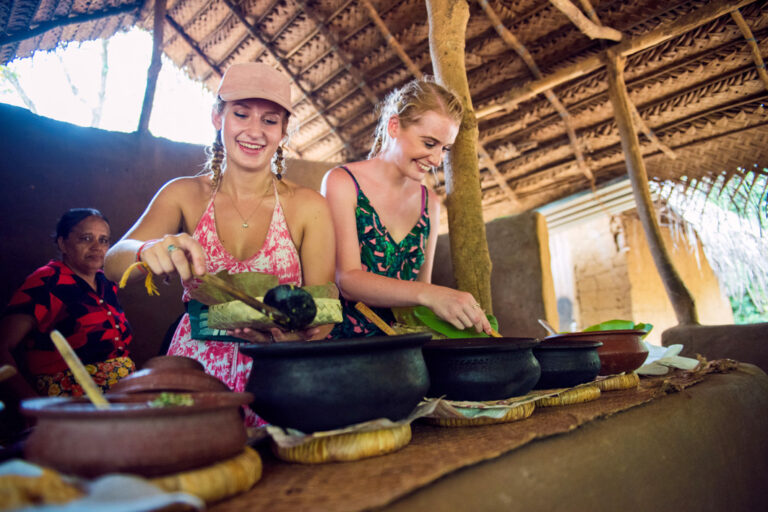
(141, 247)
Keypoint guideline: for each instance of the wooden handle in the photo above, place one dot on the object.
(78, 370)
(376, 319)
(273, 313)
(6, 372)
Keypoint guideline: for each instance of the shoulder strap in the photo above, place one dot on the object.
(424, 200)
(357, 185)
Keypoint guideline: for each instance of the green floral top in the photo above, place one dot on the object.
(379, 253)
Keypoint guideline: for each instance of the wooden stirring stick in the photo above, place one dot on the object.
(78, 370)
(384, 326)
(376, 319)
(242, 296)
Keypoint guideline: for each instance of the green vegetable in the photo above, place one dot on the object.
(166, 399)
(431, 320)
(617, 325)
(297, 304)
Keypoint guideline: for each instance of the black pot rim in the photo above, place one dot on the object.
(323, 347)
(480, 344)
(568, 345)
(587, 334)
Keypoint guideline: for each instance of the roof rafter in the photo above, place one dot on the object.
(241, 16)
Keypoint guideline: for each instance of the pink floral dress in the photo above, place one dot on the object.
(278, 256)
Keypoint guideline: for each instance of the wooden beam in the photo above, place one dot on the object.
(154, 66)
(752, 42)
(587, 26)
(629, 46)
(284, 64)
(390, 40)
(681, 299)
(513, 42)
(193, 44)
(45, 26)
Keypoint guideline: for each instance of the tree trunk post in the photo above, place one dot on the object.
(154, 66)
(679, 296)
(469, 247)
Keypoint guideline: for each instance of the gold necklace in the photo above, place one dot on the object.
(245, 224)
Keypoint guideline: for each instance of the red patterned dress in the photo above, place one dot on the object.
(278, 256)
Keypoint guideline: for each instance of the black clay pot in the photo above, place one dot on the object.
(478, 369)
(324, 385)
(564, 365)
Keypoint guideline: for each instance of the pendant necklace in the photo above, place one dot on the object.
(245, 220)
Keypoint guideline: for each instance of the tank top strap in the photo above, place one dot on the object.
(357, 185)
(424, 201)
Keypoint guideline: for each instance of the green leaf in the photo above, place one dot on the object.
(618, 325)
(431, 320)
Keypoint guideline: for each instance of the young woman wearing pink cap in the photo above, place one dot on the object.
(386, 221)
(239, 215)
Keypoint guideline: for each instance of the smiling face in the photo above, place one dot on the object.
(251, 130)
(421, 146)
(85, 246)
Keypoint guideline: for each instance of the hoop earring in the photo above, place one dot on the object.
(279, 162)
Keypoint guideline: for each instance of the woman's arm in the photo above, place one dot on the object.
(458, 308)
(161, 224)
(13, 329)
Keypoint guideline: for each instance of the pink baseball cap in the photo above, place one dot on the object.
(255, 80)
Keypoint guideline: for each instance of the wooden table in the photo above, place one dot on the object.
(703, 448)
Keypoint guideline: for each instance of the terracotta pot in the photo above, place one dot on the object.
(567, 364)
(324, 385)
(132, 437)
(478, 369)
(622, 350)
(173, 379)
(173, 362)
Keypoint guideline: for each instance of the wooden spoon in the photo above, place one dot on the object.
(92, 391)
(376, 319)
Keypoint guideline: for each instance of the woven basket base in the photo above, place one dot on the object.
(517, 413)
(347, 447)
(616, 382)
(217, 481)
(571, 396)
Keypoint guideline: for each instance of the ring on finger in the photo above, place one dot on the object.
(172, 248)
(476, 305)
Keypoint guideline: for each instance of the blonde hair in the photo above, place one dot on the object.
(215, 152)
(409, 103)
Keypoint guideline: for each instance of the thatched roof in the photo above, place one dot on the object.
(699, 92)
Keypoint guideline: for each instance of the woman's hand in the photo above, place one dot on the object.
(458, 308)
(171, 254)
(274, 335)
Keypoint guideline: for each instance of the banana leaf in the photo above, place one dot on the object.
(425, 316)
(617, 325)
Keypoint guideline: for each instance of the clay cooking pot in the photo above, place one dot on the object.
(478, 369)
(132, 437)
(564, 365)
(622, 350)
(324, 385)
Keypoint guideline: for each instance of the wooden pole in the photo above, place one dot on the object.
(154, 66)
(588, 27)
(679, 296)
(469, 247)
(752, 42)
(628, 46)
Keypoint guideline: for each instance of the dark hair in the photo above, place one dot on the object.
(73, 217)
